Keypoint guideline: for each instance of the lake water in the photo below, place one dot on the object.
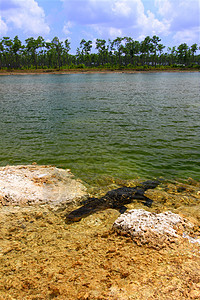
(118, 125)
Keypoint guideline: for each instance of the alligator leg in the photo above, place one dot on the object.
(140, 196)
(148, 202)
(121, 209)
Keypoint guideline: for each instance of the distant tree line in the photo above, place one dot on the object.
(118, 53)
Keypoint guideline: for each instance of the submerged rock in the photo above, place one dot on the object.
(153, 229)
(33, 184)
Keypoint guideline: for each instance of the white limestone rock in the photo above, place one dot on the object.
(150, 228)
(34, 184)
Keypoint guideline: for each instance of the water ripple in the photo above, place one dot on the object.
(123, 125)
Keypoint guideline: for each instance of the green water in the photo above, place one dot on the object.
(118, 125)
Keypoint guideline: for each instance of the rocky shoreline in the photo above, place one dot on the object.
(154, 230)
(39, 185)
(149, 253)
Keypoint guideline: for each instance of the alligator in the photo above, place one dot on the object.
(115, 199)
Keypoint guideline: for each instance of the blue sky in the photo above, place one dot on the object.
(174, 21)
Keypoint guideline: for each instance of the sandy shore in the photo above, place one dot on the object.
(85, 71)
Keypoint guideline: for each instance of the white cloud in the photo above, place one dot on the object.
(186, 36)
(66, 27)
(3, 27)
(182, 14)
(149, 25)
(26, 15)
(183, 18)
(114, 17)
(113, 32)
(175, 20)
(121, 8)
(164, 7)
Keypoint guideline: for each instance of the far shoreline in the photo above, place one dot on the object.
(93, 71)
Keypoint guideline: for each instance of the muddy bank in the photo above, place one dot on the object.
(43, 257)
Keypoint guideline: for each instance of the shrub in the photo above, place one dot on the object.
(81, 66)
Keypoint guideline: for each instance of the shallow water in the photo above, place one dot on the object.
(103, 125)
(43, 257)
